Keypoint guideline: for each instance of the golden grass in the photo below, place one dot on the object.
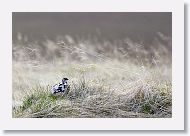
(105, 82)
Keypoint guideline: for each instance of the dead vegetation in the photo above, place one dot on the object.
(124, 79)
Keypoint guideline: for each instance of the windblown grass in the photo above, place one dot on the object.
(96, 91)
(106, 81)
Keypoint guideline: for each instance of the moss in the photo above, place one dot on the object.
(147, 109)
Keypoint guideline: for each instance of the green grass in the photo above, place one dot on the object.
(86, 101)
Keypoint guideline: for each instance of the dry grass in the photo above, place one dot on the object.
(107, 80)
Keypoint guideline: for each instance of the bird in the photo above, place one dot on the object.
(62, 87)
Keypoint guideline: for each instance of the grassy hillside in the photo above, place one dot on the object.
(107, 79)
(97, 90)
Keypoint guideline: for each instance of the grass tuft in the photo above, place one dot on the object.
(84, 100)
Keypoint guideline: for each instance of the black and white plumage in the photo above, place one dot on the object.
(61, 87)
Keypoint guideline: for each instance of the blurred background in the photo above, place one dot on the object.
(92, 36)
(106, 26)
